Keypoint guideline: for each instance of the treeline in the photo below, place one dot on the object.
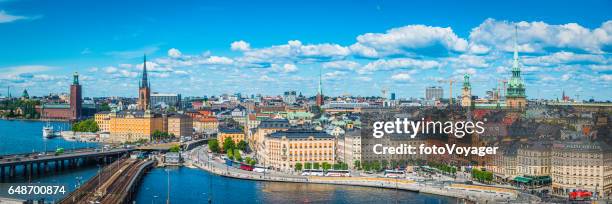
(88, 125)
(20, 108)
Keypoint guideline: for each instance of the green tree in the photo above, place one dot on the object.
(357, 164)
(213, 145)
(237, 155)
(316, 165)
(228, 143)
(252, 162)
(104, 107)
(376, 166)
(384, 164)
(298, 167)
(242, 145)
(175, 148)
(326, 166)
(307, 165)
(337, 165)
(230, 154)
(344, 166)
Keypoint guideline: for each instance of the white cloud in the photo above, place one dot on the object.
(566, 77)
(411, 37)
(466, 60)
(564, 57)
(539, 36)
(399, 63)
(294, 51)
(334, 75)
(606, 77)
(266, 78)
(341, 65)
(470, 71)
(174, 53)
(7, 18)
(110, 69)
(286, 68)
(240, 46)
(405, 77)
(217, 60)
(364, 78)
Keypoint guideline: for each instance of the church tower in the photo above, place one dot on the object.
(515, 96)
(320, 98)
(144, 91)
(466, 94)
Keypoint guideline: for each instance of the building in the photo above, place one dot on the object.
(73, 110)
(582, 166)
(180, 125)
(208, 124)
(103, 121)
(515, 95)
(284, 149)
(289, 97)
(144, 91)
(165, 100)
(534, 159)
(434, 93)
(76, 100)
(466, 92)
(320, 99)
(348, 148)
(133, 126)
(237, 135)
(264, 128)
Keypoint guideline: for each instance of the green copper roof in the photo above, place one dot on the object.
(516, 86)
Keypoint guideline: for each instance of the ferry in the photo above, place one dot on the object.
(47, 131)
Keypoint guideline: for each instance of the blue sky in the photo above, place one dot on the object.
(211, 47)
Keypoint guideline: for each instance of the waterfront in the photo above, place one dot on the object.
(192, 186)
(22, 136)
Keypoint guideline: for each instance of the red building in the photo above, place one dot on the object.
(76, 100)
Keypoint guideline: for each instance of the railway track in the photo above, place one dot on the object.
(110, 186)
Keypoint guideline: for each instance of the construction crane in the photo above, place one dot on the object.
(450, 88)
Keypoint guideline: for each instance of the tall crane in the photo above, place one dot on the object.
(450, 88)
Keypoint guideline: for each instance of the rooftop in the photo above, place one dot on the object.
(301, 133)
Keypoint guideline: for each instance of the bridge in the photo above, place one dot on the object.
(42, 162)
(116, 183)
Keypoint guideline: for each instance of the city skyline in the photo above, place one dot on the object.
(213, 48)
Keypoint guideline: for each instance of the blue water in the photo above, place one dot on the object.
(193, 186)
(18, 136)
(189, 185)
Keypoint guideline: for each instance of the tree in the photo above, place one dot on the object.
(307, 165)
(315, 165)
(357, 164)
(230, 154)
(326, 166)
(384, 164)
(242, 145)
(175, 148)
(252, 162)
(376, 166)
(237, 155)
(344, 166)
(298, 167)
(104, 107)
(228, 143)
(338, 165)
(213, 145)
(88, 125)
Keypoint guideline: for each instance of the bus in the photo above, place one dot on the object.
(338, 173)
(312, 172)
(246, 167)
(260, 169)
(580, 195)
(394, 174)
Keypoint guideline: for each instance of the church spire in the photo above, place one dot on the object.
(145, 81)
(515, 65)
(320, 91)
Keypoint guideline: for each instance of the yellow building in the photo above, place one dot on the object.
(283, 149)
(237, 135)
(264, 128)
(131, 126)
(103, 121)
(180, 126)
(206, 124)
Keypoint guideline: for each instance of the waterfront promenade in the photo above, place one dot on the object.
(475, 193)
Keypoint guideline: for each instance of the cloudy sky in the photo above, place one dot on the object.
(212, 47)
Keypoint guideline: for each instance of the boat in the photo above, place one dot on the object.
(47, 131)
